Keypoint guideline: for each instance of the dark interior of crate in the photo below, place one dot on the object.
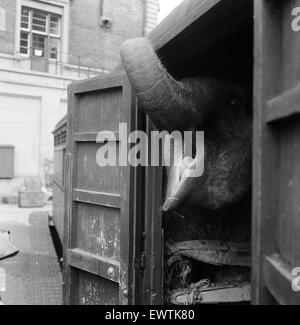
(228, 58)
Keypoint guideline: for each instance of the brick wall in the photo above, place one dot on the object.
(99, 46)
(96, 45)
(7, 36)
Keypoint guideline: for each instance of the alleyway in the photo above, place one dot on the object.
(33, 277)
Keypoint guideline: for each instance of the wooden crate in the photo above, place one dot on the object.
(31, 199)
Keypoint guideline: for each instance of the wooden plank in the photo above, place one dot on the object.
(153, 272)
(295, 222)
(98, 230)
(97, 198)
(278, 278)
(92, 136)
(288, 84)
(138, 211)
(284, 105)
(98, 83)
(95, 290)
(98, 265)
(290, 67)
(91, 176)
(127, 115)
(286, 194)
(148, 236)
(265, 149)
(70, 278)
(157, 277)
(99, 111)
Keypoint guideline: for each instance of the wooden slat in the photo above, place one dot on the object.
(97, 198)
(265, 145)
(127, 188)
(92, 136)
(70, 278)
(98, 84)
(283, 106)
(278, 279)
(101, 266)
(153, 273)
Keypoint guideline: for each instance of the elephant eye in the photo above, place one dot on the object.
(235, 102)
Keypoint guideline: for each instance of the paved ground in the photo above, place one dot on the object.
(32, 277)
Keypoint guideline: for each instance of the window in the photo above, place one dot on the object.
(54, 25)
(39, 22)
(38, 45)
(40, 34)
(24, 43)
(53, 48)
(25, 19)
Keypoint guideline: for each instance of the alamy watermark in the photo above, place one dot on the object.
(296, 20)
(296, 279)
(181, 149)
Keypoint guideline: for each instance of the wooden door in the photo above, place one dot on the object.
(276, 187)
(39, 53)
(100, 201)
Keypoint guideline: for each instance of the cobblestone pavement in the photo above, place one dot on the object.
(33, 277)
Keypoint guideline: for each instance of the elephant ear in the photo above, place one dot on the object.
(171, 105)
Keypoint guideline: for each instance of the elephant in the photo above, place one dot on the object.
(218, 107)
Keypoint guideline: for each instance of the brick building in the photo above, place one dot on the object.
(45, 45)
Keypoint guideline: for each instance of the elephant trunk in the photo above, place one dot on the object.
(165, 100)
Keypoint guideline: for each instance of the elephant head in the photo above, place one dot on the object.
(195, 104)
